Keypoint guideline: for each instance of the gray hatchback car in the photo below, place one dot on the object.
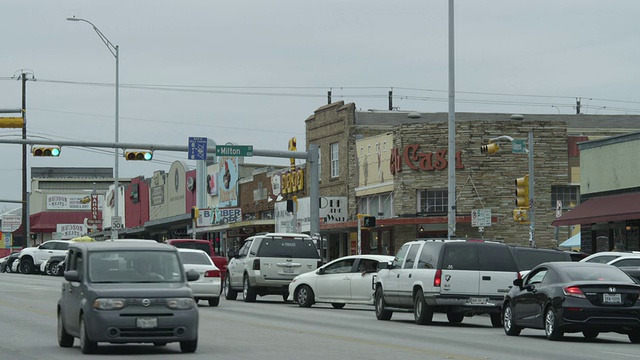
(126, 292)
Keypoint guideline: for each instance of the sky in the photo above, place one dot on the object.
(250, 72)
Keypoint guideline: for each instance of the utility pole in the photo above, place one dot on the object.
(25, 213)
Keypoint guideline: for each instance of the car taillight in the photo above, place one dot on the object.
(573, 291)
(437, 279)
(212, 273)
(256, 264)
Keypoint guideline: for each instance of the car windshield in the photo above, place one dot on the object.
(137, 266)
(586, 273)
(194, 258)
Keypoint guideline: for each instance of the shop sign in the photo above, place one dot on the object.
(415, 159)
(70, 231)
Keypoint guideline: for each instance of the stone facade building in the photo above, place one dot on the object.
(414, 196)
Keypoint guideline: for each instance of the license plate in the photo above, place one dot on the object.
(288, 270)
(479, 301)
(147, 322)
(611, 299)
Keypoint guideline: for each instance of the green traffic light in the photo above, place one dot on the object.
(55, 152)
(148, 156)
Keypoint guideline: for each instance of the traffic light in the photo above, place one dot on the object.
(522, 192)
(369, 222)
(489, 149)
(11, 122)
(145, 155)
(195, 213)
(46, 151)
(292, 147)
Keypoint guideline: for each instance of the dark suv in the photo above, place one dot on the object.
(126, 292)
(457, 277)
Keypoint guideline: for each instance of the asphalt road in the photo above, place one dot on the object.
(272, 330)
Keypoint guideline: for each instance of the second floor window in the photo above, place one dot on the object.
(433, 201)
(335, 161)
(568, 194)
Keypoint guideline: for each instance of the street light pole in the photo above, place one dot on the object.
(115, 51)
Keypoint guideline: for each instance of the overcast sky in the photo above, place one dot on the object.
(251, 72)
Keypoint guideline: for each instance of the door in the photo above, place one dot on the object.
(73, 293)
(526, 309)
(362, 278)
(392, 277)
(335, 283)
(407, 277)
(497, 270)
(460, 275)
(235, 267)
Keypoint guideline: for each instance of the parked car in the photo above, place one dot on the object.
(457, 277)
(347, 280)
(126, 292)
(604, 257)
(267, 263)
(567, 297)
(32, 257)
(50, 267)
(209, 285)
(527, 257)
(7, 261)
(15, 266)
(206, 246)
(626, 261)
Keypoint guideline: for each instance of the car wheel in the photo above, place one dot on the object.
(634, 336)
(422, 313)
(338, 305)
(2, 268)
(214, 301)
(7, 268)
(189, 346)
(380, 305)
(590, 334)
(229, 293)
(64, 339)
(496, 320)
(86, 345)
(52, 268)
(26, 266)
(248, 292)
(455, 317)
(305, 296)
(551, 328)
(510, 327)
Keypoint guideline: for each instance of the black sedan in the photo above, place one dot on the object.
(567, 297)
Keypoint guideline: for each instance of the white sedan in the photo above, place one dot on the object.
(347, 280)
(209, 285)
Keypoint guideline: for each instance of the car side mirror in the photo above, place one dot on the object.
(321, 271)
(72, 275)
(192, 275)
(530, 287)
(518, 283)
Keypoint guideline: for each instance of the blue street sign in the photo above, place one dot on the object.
(197, 148)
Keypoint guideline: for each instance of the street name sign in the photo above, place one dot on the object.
(234, 150)
(518, 146)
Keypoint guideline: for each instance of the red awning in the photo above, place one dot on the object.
(46, 221)
(603, 209)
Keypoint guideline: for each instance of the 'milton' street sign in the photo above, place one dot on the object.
(234, 150)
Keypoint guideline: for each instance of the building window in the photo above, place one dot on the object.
(335, 161)
(433, 201)
(379, 205)
(568, 194)
(319, 163)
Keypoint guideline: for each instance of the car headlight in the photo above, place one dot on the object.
(180, 303)
(109, 304)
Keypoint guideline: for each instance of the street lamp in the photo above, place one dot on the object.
(113, 49)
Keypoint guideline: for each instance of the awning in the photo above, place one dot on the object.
(574, 241)
(46, 221)
(603, 209)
